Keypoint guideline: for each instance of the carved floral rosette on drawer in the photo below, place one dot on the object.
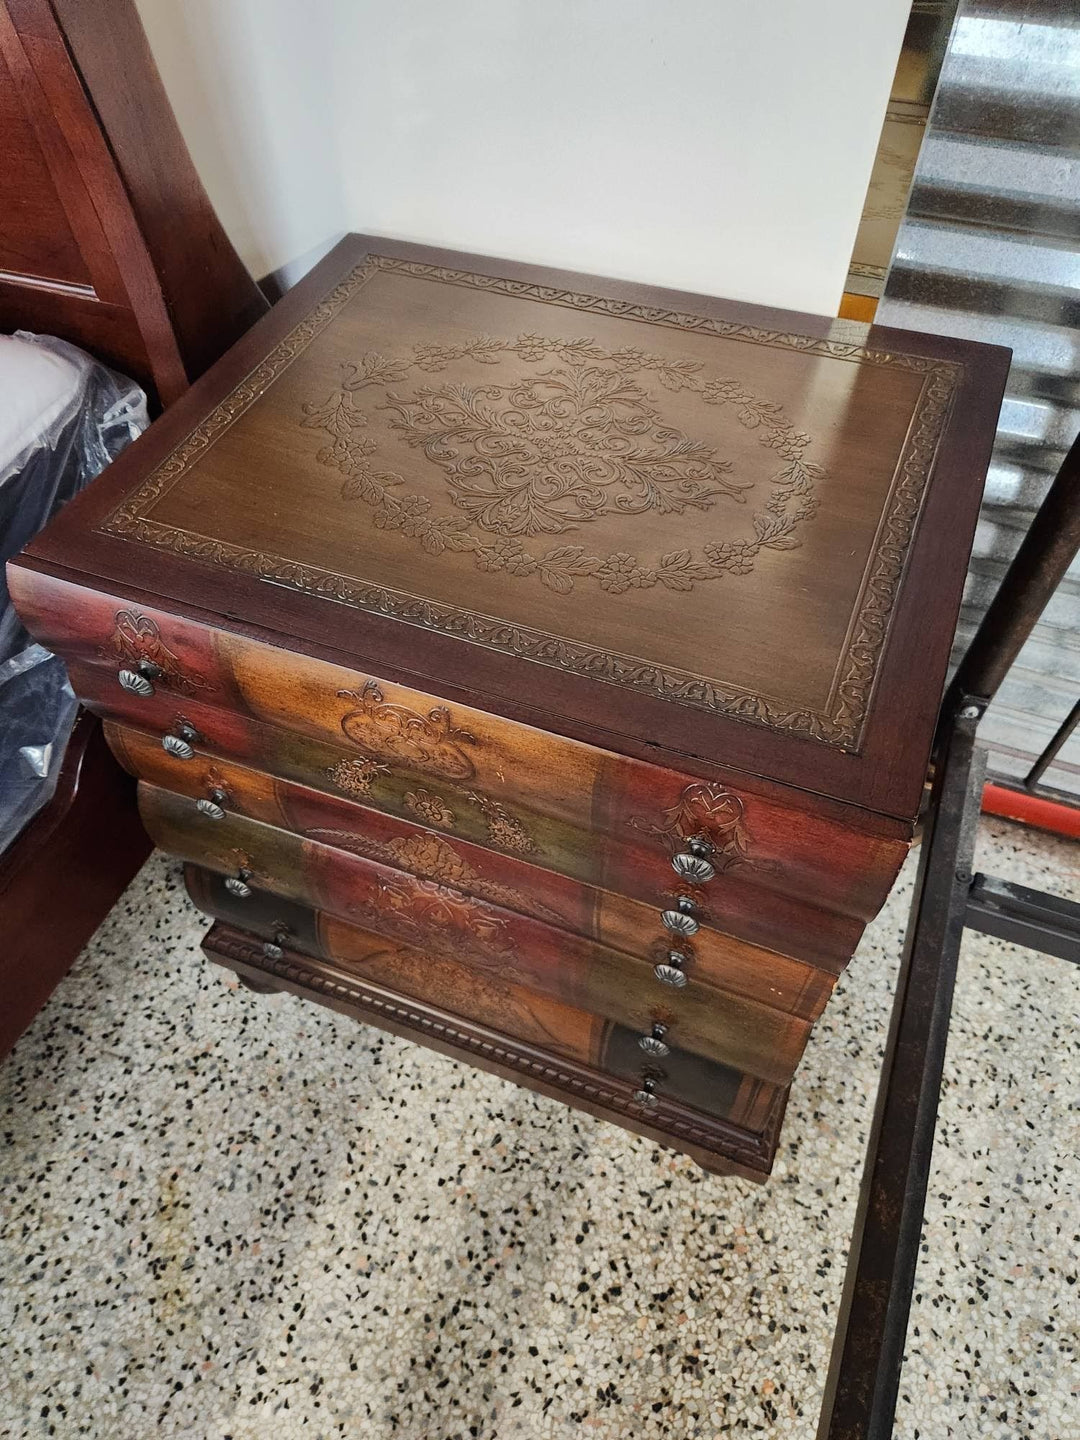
(136, 641)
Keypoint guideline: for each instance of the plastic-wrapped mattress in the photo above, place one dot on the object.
(63, 418)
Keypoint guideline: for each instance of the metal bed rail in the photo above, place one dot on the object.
(868, 1344)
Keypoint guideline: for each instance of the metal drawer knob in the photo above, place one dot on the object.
(272, 948)
(140, 680)
(694, 868)
(137, 684)
(646, 1096)
(671, 972)
(680, 921)
(237, 884)
(178, 746)
(212, 806)
(654, 1044)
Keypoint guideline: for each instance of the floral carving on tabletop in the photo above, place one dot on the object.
(547, 453)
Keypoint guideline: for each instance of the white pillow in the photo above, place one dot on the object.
(35, 388)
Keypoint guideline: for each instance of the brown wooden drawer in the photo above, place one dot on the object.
(612, 919)
(490, 999)
(640, 868)
(527, 789)
(715, 1144)
(731, 1029)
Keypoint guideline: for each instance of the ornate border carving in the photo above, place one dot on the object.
(720, 1136)
(839, 725)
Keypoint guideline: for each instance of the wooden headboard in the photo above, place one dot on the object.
(108, 240)
(107, 237)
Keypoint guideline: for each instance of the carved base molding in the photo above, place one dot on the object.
(717, 1145)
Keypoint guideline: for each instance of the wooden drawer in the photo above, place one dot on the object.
(490, 999)
(508, 784)
(612, 919)
(640, 868)
(716, 1145)
(704, 1020)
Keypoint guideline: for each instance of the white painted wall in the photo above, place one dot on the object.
(713, 145)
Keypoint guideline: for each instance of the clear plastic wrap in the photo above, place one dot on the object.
(68, 420)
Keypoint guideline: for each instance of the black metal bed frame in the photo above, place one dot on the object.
(868, 1343)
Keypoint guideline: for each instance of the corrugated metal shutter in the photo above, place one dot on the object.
(990, 249)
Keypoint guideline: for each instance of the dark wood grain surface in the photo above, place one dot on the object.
(107, 237)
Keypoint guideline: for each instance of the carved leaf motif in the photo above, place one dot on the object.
(678, 375)
(373, 369)
(556, 580)
(705, 809)
(559, 565)
(551, 451)
(338, 416)
(678, 570)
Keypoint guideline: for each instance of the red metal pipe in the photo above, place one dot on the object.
(1031, 810)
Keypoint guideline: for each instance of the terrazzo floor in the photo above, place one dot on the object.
(225, 1215)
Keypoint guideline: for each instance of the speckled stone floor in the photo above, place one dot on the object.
(231, 1216)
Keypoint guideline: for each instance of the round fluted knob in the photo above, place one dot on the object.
(670, 971)
(237, 885)
(654, 1044)
(694, 868)
(679, 922)
(211, 806)
(272, 948)
(136, 684)
(646, 1096)
(178, 746)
